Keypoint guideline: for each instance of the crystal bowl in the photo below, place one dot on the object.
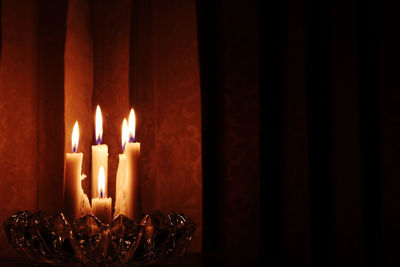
(52, 239)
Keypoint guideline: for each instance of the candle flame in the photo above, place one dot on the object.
(99, 126)
(75, 138)
(125, 134)
(101, 182)
(131, 126)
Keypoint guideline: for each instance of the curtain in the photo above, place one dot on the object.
(230, 93)
(331, 116)
(59, 59)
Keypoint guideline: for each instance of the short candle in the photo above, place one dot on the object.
(102, 204)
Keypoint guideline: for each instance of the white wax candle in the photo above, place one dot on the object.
(72, 186)
(120, 185)
(102, 209)
(85, 207)
(99, 155)
(133, 186)
(76, 202)
(102, 204)
(99, 158)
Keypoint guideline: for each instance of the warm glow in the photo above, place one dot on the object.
(101, 182)
(75, 138)
(132, 125)
(99, 126)
(125, 134)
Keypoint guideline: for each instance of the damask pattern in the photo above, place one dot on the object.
(100, 66)
(18, 133)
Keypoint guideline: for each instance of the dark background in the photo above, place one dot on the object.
(330, 116)
(228, 38)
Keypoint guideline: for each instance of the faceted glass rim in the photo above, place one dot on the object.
(52, 239)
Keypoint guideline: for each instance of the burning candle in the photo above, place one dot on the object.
(133, 185)
(99, 155)
(76, 202)
(121, 186)
(102, 204)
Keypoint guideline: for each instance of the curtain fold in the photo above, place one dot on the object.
(79, 81)
(346, 171)
(165, 87)
(111, 34)
(230, 90)
(51, 28)
(295, 221)
(389, 119)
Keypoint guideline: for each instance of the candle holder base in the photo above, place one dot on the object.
(52, 239)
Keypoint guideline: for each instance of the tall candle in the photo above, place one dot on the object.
(120, 185)
(102, 204)
(99, 155)
(134, 194)
(76, 202)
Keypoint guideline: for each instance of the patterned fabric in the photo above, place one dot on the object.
(60, 59)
